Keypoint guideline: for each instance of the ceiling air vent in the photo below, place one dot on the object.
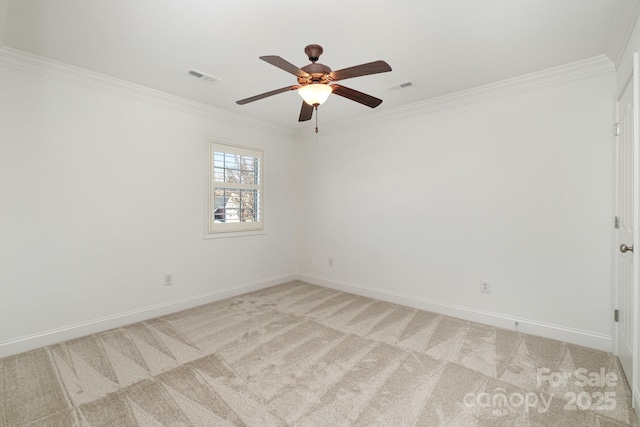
(202, 76)
(402, 85)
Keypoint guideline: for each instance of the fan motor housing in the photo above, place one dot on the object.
(318, 73)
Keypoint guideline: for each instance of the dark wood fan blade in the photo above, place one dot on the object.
(354, 95)
(306, 112)
(267, 94)
(284, 65)
(361, 70)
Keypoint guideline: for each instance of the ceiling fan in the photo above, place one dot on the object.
(314, 82)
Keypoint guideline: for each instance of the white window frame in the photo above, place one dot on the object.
(230, 229)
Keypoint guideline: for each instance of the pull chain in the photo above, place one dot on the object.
(316, 119)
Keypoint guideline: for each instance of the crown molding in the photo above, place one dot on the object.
(19, 60)
(34, 64)
(564, 73)
(625, 19)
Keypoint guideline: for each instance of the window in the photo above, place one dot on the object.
(235, 188)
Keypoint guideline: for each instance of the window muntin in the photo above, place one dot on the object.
(235, 189)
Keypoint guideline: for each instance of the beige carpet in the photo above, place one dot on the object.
(303, 355)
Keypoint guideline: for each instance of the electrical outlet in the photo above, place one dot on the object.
(168, 279)
(485, 287)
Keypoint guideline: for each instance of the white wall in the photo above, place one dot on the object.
(101, 195)
(517, 191)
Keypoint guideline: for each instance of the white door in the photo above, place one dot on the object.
(626, 210)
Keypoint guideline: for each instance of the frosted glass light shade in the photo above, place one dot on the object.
(315, 93)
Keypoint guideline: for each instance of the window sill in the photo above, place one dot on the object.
(224, 235)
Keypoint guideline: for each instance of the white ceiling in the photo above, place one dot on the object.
(441, 46)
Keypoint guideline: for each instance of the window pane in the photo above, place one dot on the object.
(232, 215)
(219, 200)
(231, 161)
(249, 205)
(218, 159)
(257, 171)
(247, 198)
(233, 205)
(247, 215)
(248, 177)
(218, 215)
(247, 163)
(232, 175)
(236, 169)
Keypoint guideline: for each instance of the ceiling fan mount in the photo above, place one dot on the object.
(319, 74)
(313, 51)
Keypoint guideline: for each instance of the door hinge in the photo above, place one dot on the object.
(616, 315)
(616, 129)
(616, 222)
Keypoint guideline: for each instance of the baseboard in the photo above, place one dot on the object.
(560, 333)
(54, 336)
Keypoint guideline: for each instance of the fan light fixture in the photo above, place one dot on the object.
(315, 94)
(313, 82)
